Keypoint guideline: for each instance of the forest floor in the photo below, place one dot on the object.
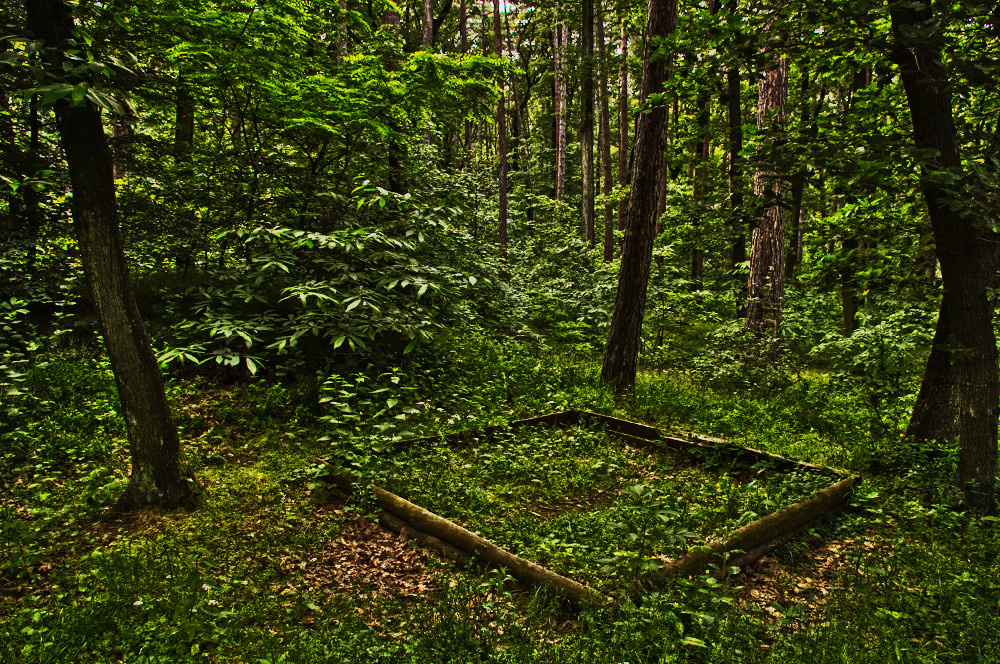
(276, 566)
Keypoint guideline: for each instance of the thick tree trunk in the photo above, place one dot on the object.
(962, 245)
(934, 412)
(160, 475)
(623, 142)
(605, 137)
(587, 118)
(766, 285)
(621, 355)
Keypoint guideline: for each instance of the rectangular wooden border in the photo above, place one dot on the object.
(748, 543)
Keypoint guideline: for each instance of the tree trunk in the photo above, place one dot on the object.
(623, 142)
(587, 118)
(160, 475)
(32, 201)
(799, 182)
(701, 186)
(961, 242)
(738, 225)
(428, 24)
(934, 416)
(560, 37)
(184, 163)
(501, 139)
(701, 176)
(621, 355)
(397, 178)
(463, 31)
(605, 137)
(766, 286)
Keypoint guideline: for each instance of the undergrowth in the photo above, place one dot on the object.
(909, 575)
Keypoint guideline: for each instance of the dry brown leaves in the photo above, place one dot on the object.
(366, 556)
(808, 581)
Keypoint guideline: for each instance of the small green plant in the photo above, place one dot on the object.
(647, 523)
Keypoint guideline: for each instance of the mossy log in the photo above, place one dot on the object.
(756, 538)
(460, 541)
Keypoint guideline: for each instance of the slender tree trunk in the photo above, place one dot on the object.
(848, 285)
(428, 24)
(738, 225)
(587, 118)
(766, 286)
(964, 246)
(621, 355)
(463, 31)
(701, 186)
(32, 200)
(794, 251)
(701, 176)
(561, 33)
(184, 163)
(623, 142)
(501, 138)
(122, 132)
(396, 152)
(605, 137)
(160, 475)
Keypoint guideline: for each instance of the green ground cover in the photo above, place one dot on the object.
(272, 568)
(588, 505)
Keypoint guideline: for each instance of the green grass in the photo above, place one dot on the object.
(584, 503)
(244, 578)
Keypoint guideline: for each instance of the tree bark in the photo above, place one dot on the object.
(160, 475)
(32, 201)
(501, 139)
(397, 154)
(962, 244)
(587, 118)
(184, 163)
(605, 137)
(623, 123)
(766, 285)
(560, 38)
(621, 354)
(428, 24)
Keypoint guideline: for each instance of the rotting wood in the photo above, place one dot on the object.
(396, 524)
(426, 522)
(752, 536)
(750, 543)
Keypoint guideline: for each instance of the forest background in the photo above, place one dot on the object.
(343, 223)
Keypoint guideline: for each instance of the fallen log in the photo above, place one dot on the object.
(754, 539)
(462, 541)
